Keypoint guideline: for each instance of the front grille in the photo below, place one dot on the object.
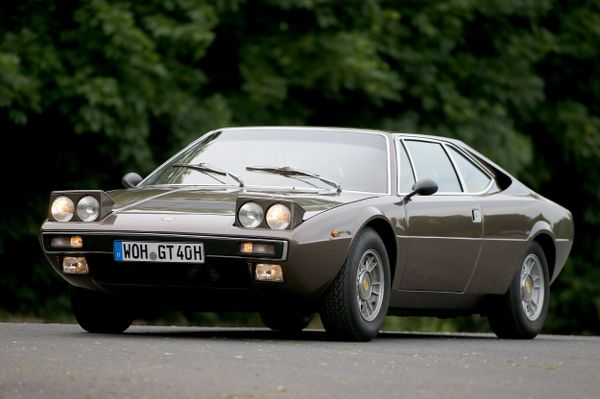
(214, 273)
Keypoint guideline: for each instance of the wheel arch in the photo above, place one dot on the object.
(547, 243)
(542, 234)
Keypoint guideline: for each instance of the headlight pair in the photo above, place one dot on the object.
(84, 206)
(63, 209)
(278, 216)
(268, 213)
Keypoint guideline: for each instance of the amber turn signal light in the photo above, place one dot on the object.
(253, 248)
(67, 242)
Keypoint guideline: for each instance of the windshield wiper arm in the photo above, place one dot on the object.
(288, 171)
(209, 169)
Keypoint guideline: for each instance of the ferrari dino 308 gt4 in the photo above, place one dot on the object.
(290, 221)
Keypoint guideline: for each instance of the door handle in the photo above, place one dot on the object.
(476, 215)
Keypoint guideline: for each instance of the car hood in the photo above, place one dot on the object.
(217, 201)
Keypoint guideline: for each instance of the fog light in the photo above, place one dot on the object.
(257, 248)
(67, 242)
(75, 265)
(267, 272)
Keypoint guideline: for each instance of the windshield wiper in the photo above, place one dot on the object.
(209, 170)
(288, 171)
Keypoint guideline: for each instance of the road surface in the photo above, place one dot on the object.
(61, 361)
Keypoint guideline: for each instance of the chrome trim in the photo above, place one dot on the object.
(71, 252)
(283, 258)
(193, 143)
(415, 291)
(476, 215)
(389, 164)
(466, 238)
(400, 143)
(471, 158)
(410, 160)
(248, 258)
(461, 180)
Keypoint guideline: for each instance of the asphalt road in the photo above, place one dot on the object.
(61, 361)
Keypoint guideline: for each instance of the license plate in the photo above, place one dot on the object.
(143, 251)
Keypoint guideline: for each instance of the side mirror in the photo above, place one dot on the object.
(131, 180)
(422, 187)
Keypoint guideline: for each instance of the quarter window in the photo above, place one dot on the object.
(431, 162)
(474, 178)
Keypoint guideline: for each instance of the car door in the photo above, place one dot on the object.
(444, 230)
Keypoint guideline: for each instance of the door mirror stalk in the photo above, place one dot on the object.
(422, 187)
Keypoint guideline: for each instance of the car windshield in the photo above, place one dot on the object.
(356, 161)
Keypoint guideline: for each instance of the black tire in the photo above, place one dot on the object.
(99, 313)
(340, 310)
(289, 321)
(508, 317)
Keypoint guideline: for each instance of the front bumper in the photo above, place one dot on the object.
(225, 281)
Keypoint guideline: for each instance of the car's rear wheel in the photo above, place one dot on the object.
(356, 302)
(289, 321)
(99, 313)
(521, 312)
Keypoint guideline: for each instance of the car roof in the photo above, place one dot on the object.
(347, 129)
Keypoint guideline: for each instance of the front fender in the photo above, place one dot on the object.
(319, 247)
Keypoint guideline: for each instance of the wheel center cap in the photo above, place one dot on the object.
(364, 285)
(527, 288)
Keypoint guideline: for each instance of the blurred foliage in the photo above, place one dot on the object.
(92, 89)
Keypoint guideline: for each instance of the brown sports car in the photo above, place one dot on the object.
(289, 221)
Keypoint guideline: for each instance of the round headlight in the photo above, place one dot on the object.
(279, 217)
(88, 209)
(62, 209)
(250, 214)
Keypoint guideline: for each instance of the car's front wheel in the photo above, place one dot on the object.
(521, 312)
(357, 300)
(99, 313)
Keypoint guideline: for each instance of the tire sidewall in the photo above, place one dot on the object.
(96, 312)
(368, 239)
(282, 319)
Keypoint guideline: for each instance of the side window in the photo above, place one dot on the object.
(407, 180)
(474, 178)
(431, 162)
